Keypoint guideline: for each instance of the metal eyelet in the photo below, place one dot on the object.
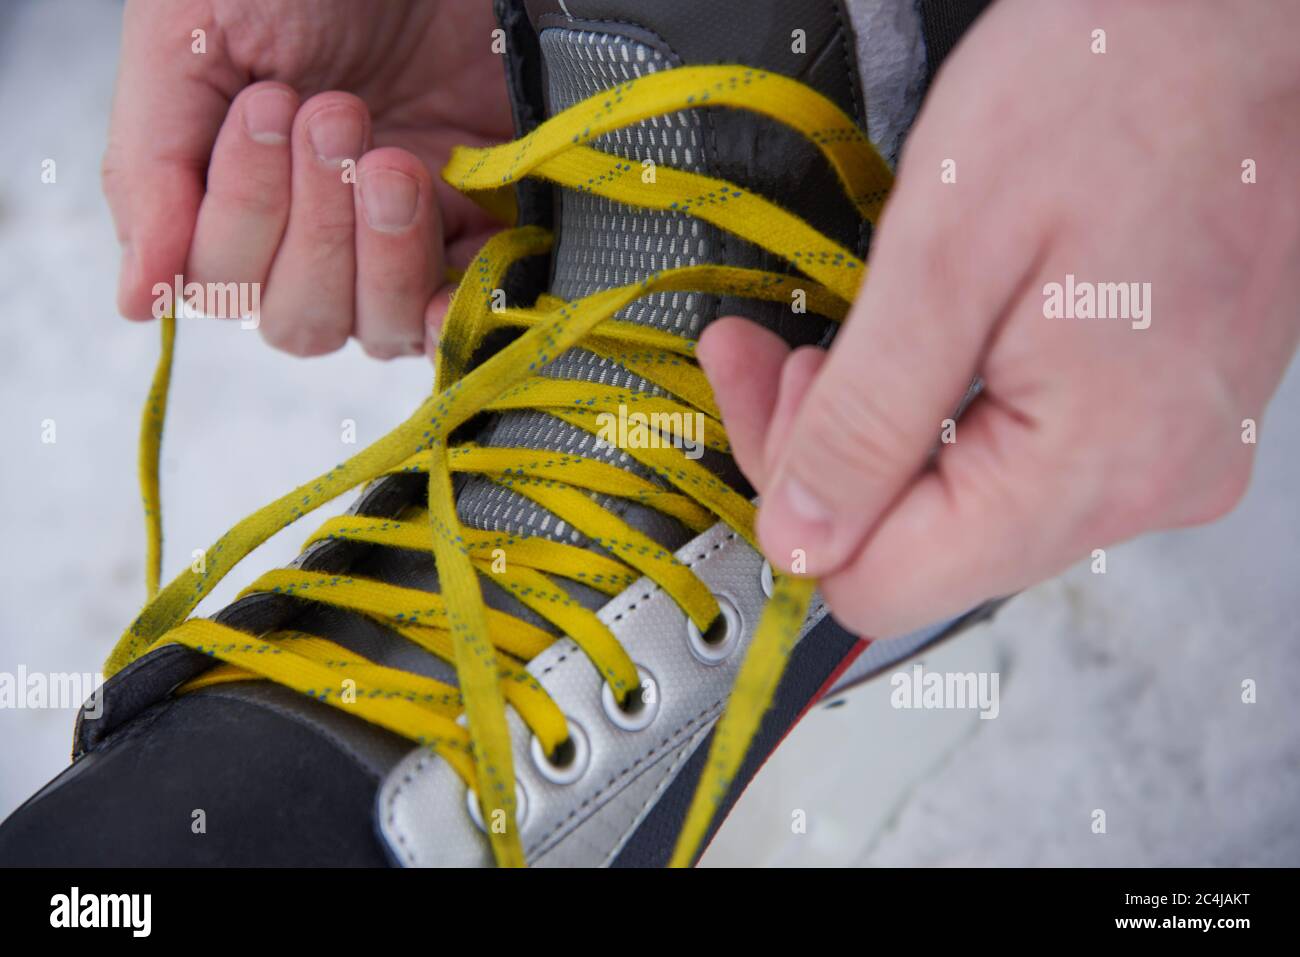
(717, 644)
(765, 578)
(476, 815)
(638, 715)
(571, 759)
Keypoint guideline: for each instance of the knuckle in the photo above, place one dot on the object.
(394, 285)
(110, 173)
(857, 437)
(254, 192)
(303, 339)
(1149, 496)
(385, 350)
(1202, 469)
(852, 614)
(113, 175)
(1223, 495)
(331, 225)
(860, 606)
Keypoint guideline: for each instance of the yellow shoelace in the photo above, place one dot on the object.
(490, 649)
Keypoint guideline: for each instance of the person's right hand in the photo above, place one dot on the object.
(1125, 169)
(227, 165)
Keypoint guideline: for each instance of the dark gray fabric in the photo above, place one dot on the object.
(811, 666)
(945, 22)
(277, 778)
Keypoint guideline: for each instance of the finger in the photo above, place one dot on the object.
(900, 365)
(399, 252)
(435, 315)
(307, 308)
(168, 105)
(246, 206)
(998, 512)
(743, 363)
(797, 376)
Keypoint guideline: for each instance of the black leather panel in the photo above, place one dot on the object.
(814, 661)
(274, 791)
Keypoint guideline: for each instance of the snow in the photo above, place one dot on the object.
(246, 424)
(1120, 692)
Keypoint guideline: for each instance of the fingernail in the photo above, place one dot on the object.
(797, 523)
(336, 134)
(268, 116)
(807, 506)
(389, 198)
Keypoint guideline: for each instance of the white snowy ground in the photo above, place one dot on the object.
(1119, 692)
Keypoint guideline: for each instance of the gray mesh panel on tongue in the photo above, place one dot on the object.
(602, 243)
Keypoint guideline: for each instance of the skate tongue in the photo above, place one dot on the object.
(601, 243)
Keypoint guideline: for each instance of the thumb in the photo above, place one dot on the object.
(868, 422)
(169, 104)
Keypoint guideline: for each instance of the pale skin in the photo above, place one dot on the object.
(1125, 166)
(228, 165)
